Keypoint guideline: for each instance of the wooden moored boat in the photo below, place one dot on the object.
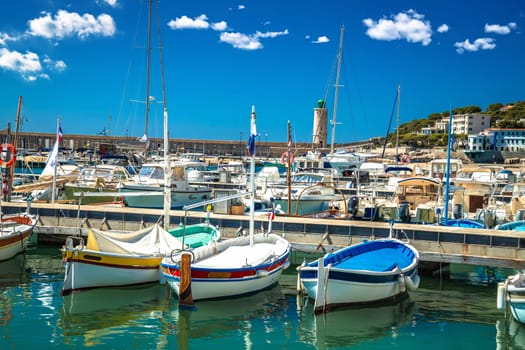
(111, 259)
(369, 272)
(233, 267)
(511, 294)
(15, 231)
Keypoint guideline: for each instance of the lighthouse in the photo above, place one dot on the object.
(320, 134)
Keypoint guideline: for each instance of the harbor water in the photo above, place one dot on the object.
(442, 314)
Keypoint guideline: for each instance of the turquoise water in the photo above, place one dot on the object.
(441, 314)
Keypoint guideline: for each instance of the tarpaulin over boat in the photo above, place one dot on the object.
(149, 241)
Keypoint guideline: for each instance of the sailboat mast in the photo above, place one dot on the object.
(148, 78)
(167, 161)
(15, 144)
(252, 175)
(447, 179)
(289, 170)
(398, 111)
(339, 57)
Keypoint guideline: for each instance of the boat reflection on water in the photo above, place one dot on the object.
(510, 334)
(13, 271)
(101, 312)
(476, 274)
(353, 324)
(12, 274)
(216, 317)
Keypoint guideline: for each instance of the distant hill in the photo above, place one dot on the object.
(509, 115)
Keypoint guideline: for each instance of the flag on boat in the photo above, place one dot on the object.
(52, 158)
(60, 134)
(253, 135)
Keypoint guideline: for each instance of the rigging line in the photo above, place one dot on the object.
(328, 86)
(161, 47)
(351, 111)
(390, 124)
(148, 78)
(128, 73)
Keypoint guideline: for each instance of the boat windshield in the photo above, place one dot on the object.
(151, 172)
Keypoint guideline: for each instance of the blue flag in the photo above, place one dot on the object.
(253, 135)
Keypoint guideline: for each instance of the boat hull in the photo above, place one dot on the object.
(91, 269)
(369, 272)
(511, 293)
(219, 271)
(178, 199)
(69, 194)
(14, 234)
(219, 288)
(341, 292)
(302, 207)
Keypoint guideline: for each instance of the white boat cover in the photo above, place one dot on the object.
(153, 240)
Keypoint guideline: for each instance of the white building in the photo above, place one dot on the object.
(470, 123)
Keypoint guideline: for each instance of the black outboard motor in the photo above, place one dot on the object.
(353, 204)
(404, 212)
(458, 208)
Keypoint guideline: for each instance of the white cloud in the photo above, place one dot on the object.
(321, 40)
(443, 28)
(27, 64)
(478, 44)
(4, 38)
(185, 22)
(241, 7)
(112, 3)
(58, 66)
(500, 29)
(408, 25)
(271, 34)
(241, 41)
(219, 26)
(65, 24)
(248, 42)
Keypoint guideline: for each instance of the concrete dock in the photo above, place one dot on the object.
(437, 244)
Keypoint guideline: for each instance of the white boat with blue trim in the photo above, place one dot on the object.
(511, 294)
(233, 267)
(372, 271)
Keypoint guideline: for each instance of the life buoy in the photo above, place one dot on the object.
(284, 157)
(270, 215)
(9, 147)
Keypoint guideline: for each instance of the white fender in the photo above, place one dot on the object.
(300, 287)
(412, 284)
(322, 286)
(500, 299)
(262, 273)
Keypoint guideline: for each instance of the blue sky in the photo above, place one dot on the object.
(85, 62)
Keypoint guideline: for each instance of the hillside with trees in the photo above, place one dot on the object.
(510, 115)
